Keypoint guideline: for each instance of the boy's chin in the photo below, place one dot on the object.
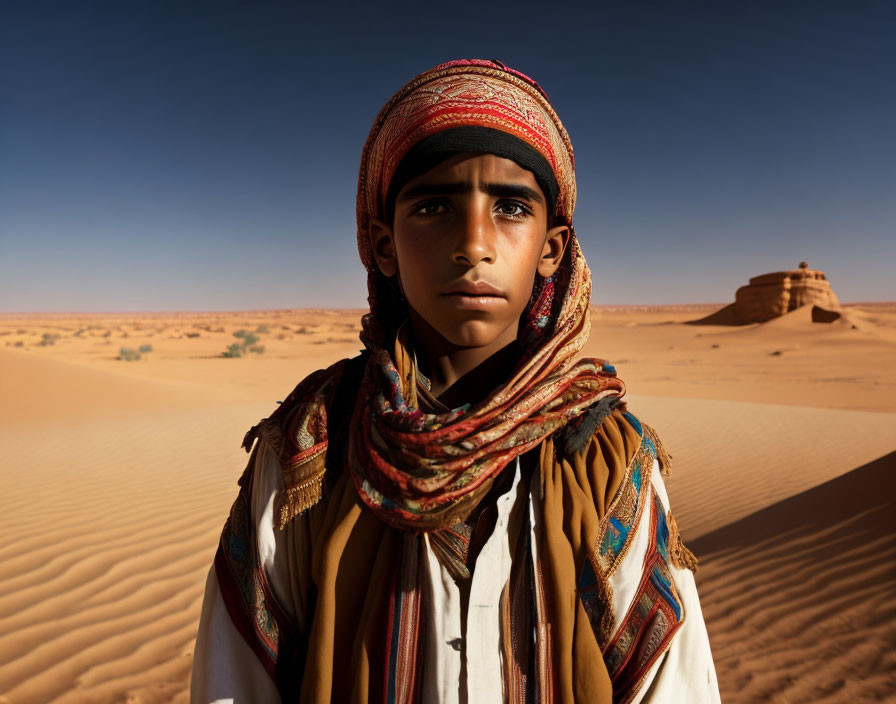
(475, 333)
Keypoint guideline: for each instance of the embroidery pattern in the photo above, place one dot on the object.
(242, 582)
(614, 537)
(297, 431)
(470, 92)
(652, 619)
(665, 459)
(624, 512)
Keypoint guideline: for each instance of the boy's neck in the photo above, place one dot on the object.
(460, 375)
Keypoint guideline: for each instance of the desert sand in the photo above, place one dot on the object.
(118, 476)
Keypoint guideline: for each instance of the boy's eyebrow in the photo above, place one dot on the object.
(500, 190)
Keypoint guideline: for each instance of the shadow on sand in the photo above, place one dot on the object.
(852, 509)
(723, 316)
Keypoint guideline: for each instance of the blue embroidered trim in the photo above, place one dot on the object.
(653, 617)
(636, 424)
(623, 513)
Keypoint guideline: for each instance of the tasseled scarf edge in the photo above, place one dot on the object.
(679, 554)
(662, 455)
(297, 499)
(303, 476)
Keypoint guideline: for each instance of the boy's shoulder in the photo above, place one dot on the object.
(610, 418)
(304, 412)
(307, 431)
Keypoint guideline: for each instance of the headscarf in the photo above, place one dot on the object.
(458, 94)
(424, 471)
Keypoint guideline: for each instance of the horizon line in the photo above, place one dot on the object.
(360, 310)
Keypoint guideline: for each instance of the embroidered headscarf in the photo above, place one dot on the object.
(455, 95)
(426, 471)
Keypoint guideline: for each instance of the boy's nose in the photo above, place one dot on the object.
(475, 237)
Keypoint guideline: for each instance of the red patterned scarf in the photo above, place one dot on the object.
(423, 471)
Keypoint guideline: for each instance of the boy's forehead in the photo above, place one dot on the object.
(492, 155)
(481, 164)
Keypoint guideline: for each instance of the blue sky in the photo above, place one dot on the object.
(204, 156)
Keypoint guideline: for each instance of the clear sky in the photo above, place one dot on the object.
(203, 156)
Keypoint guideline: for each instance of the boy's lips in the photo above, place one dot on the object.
(473, 288)
(474, 295)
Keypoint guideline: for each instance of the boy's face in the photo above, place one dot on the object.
(466, 241)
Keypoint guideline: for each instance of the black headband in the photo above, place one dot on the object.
(433, 150)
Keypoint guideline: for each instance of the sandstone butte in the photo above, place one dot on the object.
(772, 295)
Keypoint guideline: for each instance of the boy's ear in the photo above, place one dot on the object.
(552, 252)
(382, 243)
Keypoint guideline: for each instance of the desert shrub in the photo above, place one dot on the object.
(127, 354)
(248, 338)
(49, 338)
(234, 350)
(247, 343)
(263, 329)
(18, 343)
(192, 334)
(143, 349)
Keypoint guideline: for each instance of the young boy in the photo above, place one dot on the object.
(464, 512)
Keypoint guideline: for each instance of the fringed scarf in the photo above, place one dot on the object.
(423, 472)
(427, 472)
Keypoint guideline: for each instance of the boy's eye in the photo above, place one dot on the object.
(513, 208)
(429, 208)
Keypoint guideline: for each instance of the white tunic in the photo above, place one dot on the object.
(225, 669)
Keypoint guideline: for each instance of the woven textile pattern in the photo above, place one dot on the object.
(426, 472)
(467, 92)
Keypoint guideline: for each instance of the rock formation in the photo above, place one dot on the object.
(772, 295)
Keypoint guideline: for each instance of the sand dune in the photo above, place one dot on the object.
(50, 388)
(799, 596)
(116, 525)
(118, 477)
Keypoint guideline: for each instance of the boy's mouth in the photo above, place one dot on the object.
(478, 295)
(473, 289)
